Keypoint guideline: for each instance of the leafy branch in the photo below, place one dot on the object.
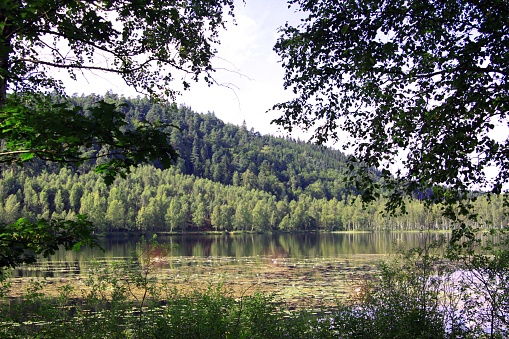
(21, 242)
(37, 127)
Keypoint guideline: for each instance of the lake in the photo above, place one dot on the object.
(290, 246)
(300, 268)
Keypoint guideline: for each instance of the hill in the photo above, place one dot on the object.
(228, 178)
(234, 155)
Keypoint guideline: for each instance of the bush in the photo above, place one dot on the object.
(404, 301)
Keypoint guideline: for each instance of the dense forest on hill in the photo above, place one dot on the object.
(229, 154)
(227, 178)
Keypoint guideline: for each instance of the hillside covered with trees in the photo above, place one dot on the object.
(231, 155)
(227, 178)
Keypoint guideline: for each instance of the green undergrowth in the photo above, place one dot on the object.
(213, 313)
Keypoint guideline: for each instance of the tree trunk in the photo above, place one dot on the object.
(5, 50)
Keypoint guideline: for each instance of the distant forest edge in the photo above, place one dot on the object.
(227, 178)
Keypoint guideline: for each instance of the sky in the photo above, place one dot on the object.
(246, 64)
(247, 49)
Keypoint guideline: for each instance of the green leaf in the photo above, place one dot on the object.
(27, 156)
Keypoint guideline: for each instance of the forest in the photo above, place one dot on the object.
(418, 85)
(227, 178)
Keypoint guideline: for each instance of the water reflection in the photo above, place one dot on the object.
(303, 245)
(269, 246)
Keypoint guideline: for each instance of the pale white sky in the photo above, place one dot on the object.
(255, 77)
(247, 48)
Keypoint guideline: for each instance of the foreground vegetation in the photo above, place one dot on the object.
(420, 293)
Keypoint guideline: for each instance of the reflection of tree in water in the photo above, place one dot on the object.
(274, 248)
(194, 245)
(282, 245)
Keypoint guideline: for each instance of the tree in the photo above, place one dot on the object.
(11, 208)
(419, 85)
(176, 214)
(216, 218)
(242, 218)
(35, 126)
(260, 216)
(198, 211)
(147, 42)
(115, 214)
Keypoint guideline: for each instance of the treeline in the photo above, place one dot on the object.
(150, 199)
(227, 178)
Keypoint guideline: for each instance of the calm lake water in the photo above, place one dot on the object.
(191, 249)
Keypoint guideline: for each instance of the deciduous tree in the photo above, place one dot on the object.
(422, 86)
(149, 43)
